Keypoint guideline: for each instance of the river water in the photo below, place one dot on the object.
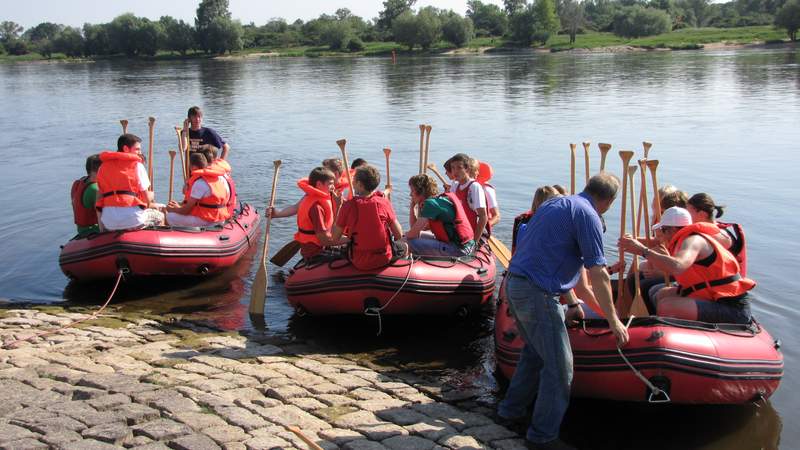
(725, 122)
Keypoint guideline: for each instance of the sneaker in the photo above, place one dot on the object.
(555, 444)
(518, 425)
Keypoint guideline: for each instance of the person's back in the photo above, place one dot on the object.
(84, 196)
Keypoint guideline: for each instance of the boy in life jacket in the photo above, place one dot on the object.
(450, 232)
(123, 200)
(207, 201)
(482, 172)
(84, 196)
(471, 194)
(370, 219)
(710, 285)
(222, 165)
(314, 216)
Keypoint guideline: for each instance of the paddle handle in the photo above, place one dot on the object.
(644, 213)
(653, 166)
(342, 143)
(258, 293)
(626, 157)
(421, 146)
(387, 152)
(124, 123)
(586, 146)
(171, 172)
(428, 129)
(151, 123)
(265, 249)
(178, 132)
(572, 169)
(311, 444)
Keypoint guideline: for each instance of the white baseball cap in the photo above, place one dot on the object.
(674, 217)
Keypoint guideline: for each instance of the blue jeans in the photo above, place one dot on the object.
(544, 370)
(430, 246)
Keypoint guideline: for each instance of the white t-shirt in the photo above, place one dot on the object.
(491, 197)
(200, 190)
(475, 197)
(122, 218)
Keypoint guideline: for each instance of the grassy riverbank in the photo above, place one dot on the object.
(685, 39)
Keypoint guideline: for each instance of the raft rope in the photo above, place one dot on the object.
(14, 343)
(376, 311)
(654, 391)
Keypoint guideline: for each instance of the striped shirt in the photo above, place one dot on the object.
(564, 234)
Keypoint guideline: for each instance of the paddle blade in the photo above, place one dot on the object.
(258, 292)
(638, 308)
(286, 253)
(501, 252)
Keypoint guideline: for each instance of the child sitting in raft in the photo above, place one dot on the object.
(450, 232)
(471, 194)
(370, 219)
(84, 196)
(314, 216)
(206, 199)
(215, 163)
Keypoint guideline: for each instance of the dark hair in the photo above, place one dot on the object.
(603, 186)
(198, 160)
(194, 111)
(334, 165)
(210, 151)
(358, 162)
(424, 185)
(674, 198)
(704, 202)
(320, 174)
(368, 176)
(92, 164)
(459, 157)
(127, 139)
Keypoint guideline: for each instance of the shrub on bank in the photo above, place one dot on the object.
(788, 17)
(637, 21)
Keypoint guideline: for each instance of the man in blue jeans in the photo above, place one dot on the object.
(564, 235)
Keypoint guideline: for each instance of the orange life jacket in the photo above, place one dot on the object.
(118, 181)
(213, 207)
(370, 248)
(472, 216)
(739, 247)
(221, 164)
(720, 280)
(464, 231)
(485, 172)
(84, 216)
(305, 228)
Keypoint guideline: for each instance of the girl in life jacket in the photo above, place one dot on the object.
(710, 285)
(371, 220)
(450, 232)
(207, 201)
(471, 194)
(730, 235)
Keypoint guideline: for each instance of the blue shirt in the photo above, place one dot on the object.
(205, 136)
(565, 233)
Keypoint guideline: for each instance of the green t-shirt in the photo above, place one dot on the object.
(441, 209)
(89, 198)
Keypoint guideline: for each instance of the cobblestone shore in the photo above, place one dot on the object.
(147, 384)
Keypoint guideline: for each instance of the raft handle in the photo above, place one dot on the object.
(203, 269)
(778, 344)
(223, 237)
(482, 270)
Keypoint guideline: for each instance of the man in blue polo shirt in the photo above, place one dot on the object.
(564, 235)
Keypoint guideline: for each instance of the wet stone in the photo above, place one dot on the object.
(161, 429)
(194, 442)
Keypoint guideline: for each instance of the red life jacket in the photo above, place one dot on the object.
(223, 165)
(485, 172)
(370, 248)
(305, 228)
(464, 231)
(472, 216)
(342, 184)
(739, 247)
(84, 216)
(720, 280)
(518, 221)
(118, 181)
(213, 207)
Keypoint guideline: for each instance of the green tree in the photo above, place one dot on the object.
(70, 42)
(223, 35)
(546, 20)
(701, 10)
(456, 29)
(42, 37)
(600, 14)
(10, 31)
(514, 6)
(391, 10)
(429, 27)
(404, 29)
(637, 21)
(487, 18)
(148, 36)
(212, 14)
(572, 18)
(178, 35)
(788, 17)
(97, 40)
(122, 34)
(336, 34)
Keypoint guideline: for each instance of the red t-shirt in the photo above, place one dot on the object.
(317, 216)
(348, 220)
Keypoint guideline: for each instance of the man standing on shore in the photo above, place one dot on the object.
(564, 234)
(200, 135)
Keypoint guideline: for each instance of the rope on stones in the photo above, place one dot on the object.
(15, 342)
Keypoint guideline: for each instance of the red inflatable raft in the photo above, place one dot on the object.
(161, 251)
(407, 286)
(693, 362)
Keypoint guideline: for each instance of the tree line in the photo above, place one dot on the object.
(520, 22)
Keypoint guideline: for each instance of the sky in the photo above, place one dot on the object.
(29, 13)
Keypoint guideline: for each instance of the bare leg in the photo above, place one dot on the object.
(677, 307)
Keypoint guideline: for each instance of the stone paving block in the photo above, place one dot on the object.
(234, 446)
(31, 414)
(60, 373)
(10, 433)
(336, 400)
(194, 442)
(89, 444)
(198, 368)
(212, 385)
(102, 417)
(198, 420)
(363, 444)
(107, 382)
(47, 384)
(286, 392)
(327, 388)
(112, 433)
(223, 434)
(85, 393)
(106, 402)
(408, 443)
(23, 444)
(57, 423)
(462, 442)
(138, 441)
(264, 350)
(314, 366)
(169, 400)
(10, 409)
(263, 401)
(266, 443)
(217, 362)
(489, 433)
(380, 405)
(401, 415)
(58, 438)
(241, 417)
(261, 373)
(287, 415)
(134, 413)
(73, 409)
(369, 394)
(240, 380)
(152, 446)
(161, 429)
(246, 394)
(433, 429)
(453, 416)
(347, 381)
(339, 436)
(307, 403)
(300, 376)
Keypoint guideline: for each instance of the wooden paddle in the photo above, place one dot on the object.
(187, 148)
(178, 131)
(653, 165)
(604, 148)
(342, 143)
(171, 172)
(388, 188)
(438, 175)
(311, 444)
(286, 253)
(642, 195)
(501, 252)
(258, 293)
(645, 208)
(428, 129)
(637, 307)
(124, 123)
(421, 145)
(586, 146)
(626, 156)
(572, 169)
(151, 123)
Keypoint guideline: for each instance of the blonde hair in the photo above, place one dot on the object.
(473, 167)
(541, 195)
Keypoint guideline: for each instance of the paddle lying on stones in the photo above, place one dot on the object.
(258, 293)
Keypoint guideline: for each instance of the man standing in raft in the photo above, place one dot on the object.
(200, 135)
(563, 236)
(710, 285)
(369, 218)
(207, 201)
(123, 199)
(84, 196)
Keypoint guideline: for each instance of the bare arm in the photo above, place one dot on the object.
(601, 286)
(417, 228)
(482, 221)
(185, 208)
(495, 217)
(396, 229)
(286, 212)
(584, 290)
(692, 248)
(225, 149)
(412, 214)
